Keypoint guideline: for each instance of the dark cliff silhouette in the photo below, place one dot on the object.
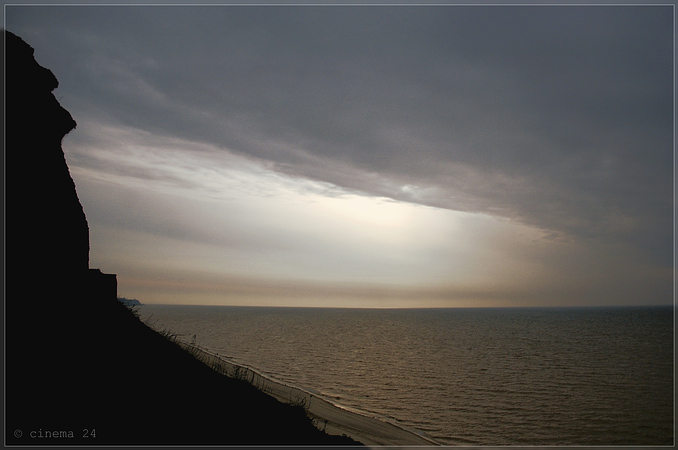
(41, 200)
(80, 368)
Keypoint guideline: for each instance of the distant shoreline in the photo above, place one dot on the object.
(129, 301)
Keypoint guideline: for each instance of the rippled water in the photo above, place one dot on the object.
(509, 376)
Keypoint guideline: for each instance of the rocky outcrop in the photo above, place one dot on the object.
(46, 224)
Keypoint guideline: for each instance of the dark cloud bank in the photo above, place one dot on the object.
(560, 117)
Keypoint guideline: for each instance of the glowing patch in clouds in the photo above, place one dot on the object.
(368, 211)
(192, 208)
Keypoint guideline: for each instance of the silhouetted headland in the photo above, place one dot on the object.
(129, 301)
(81, 368)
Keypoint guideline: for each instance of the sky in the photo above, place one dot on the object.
(379, 156)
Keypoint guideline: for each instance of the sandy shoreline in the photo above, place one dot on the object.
(332, 418)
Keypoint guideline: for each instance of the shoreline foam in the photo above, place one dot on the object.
(333, 418)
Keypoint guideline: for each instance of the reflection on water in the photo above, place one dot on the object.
(465, 376)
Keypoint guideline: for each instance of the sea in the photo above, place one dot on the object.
(476, 376)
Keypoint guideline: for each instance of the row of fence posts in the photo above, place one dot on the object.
(233, 370)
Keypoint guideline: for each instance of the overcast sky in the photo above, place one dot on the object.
(381, 156)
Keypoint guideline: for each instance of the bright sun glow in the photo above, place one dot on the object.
(373, 212)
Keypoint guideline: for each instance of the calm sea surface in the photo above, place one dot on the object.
(508, 376)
